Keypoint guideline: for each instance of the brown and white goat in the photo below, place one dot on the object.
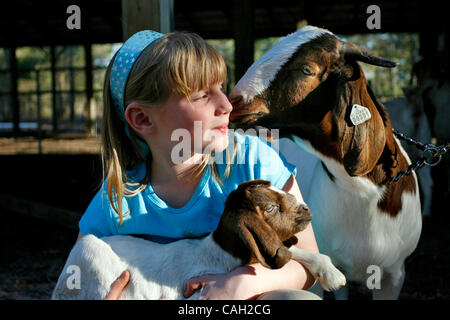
(259, 224)
(306, 86)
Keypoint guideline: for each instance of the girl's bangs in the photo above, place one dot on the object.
(199, 70)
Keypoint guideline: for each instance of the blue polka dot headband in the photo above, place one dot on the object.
(125, 58)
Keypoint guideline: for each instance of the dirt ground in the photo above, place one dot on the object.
(33, 251)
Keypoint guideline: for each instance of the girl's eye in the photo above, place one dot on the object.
(307, 71)
(200, 97)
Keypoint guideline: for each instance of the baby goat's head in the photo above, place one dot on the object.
(259, 223)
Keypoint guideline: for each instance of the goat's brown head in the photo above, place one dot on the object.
(259, 223)
(309, 81)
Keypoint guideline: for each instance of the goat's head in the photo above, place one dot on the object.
(309, 81)
(259, 223)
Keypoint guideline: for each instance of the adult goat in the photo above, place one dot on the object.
(311, 87)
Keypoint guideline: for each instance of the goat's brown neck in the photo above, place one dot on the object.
(390, 164)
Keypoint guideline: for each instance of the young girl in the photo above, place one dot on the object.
(159, 88)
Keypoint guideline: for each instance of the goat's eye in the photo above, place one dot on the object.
(307, 71)
(271, 209)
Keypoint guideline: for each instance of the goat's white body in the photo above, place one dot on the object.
(157, 270)
(347, 223)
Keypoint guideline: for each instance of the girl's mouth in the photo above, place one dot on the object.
(223, 129)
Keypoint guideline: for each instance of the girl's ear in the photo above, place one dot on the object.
(140, 119)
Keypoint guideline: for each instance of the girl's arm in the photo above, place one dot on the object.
(248, 282)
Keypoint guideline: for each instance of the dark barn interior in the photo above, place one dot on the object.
(43, 196)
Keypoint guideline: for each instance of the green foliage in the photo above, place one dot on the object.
(387, 83)
(226, 49)
(402, 48)
(263, 45)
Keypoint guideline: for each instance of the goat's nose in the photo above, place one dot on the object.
(304, 207)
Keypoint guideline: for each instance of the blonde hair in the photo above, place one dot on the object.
(177, 63)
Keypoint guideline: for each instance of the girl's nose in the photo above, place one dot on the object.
(224, 106)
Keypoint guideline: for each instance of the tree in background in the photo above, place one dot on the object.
(402, 48)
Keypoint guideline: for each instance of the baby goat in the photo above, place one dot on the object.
(259, 223)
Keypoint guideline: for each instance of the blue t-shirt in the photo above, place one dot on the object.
(152, 218)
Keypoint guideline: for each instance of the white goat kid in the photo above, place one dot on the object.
(244, 235)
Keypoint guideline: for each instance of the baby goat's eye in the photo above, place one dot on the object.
(307, 71)
(271, 209)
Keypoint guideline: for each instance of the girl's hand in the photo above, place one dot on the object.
(239, 284)
(118, 286)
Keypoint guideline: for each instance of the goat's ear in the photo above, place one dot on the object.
(291, 241)
(361, 145)
(263, 241)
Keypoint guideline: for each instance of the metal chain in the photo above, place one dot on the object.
(432, 154)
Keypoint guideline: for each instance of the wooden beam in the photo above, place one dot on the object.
(243, 29)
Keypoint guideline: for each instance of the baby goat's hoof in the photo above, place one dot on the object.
(330, 277)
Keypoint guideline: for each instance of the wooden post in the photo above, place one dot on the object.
(53, 73)
(89, 88)
(432, 26)
(140, 15)
(166, 16)
(38, 105)
(14, 93)
(72, 87)
(243, 29)
(147, 14)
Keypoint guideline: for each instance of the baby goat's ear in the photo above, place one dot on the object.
(291, 241)
(263, 241)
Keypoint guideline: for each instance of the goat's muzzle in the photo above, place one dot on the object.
(247, 112)
(303, 217)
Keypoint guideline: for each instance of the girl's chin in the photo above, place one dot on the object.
(216, 145)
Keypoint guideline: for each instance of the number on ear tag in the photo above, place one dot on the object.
(359, 114)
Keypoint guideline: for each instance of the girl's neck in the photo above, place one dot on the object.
(175, 183)
(165, 171)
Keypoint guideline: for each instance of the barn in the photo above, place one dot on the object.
(52, 64)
